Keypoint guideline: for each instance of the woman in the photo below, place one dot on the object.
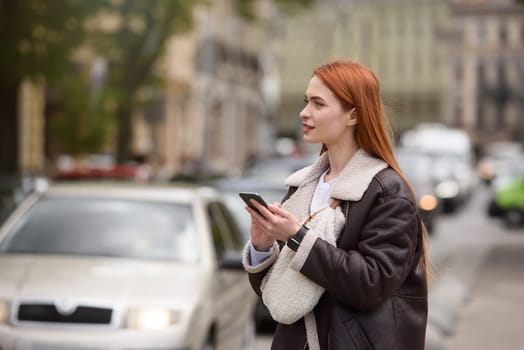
(361, 282)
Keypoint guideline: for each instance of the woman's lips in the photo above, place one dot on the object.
(307, 128)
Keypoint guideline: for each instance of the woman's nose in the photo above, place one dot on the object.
(304, 113)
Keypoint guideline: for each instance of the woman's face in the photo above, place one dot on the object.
(323, 118)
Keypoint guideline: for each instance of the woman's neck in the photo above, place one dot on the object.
(338, 158)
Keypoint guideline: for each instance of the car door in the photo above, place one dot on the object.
(234, 298)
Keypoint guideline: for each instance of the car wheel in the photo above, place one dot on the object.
(494, 210)
(513, 217)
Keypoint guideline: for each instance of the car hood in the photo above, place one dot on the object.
(108, 279)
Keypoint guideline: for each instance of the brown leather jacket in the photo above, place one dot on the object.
(375, 296)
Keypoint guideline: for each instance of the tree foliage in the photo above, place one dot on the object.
(83, 122)
(132, 48)
(137, 44)
(37, 36)
(246, 8)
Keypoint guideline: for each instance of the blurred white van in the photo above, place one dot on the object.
(452, 164)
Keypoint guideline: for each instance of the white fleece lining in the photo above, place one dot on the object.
(246, 259)
(331, 234)
(311, 331)
(352, 181)
(288, 294)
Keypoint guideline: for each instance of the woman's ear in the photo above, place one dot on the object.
(352, 117)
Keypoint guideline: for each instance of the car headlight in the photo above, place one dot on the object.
(428, 202)
(447, 189)
(151, 318)
(4, 311)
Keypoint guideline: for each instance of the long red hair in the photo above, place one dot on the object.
(356, 86)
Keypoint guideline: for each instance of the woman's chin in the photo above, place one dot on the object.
(309, 139)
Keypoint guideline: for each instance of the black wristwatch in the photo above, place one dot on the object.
(294, 241)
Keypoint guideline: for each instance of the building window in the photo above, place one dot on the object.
(481, 96)
(417, 65)
(503, 34)
(401, 66)
(458, 114)
(481, 32)
(458, 70)
(401, 26)
(215, 132)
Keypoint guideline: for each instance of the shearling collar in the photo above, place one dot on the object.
(351, 183)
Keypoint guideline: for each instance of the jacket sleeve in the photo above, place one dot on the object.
(365, 277)
(258, 272)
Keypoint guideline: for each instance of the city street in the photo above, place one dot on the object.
(477, 292)
(129, 128)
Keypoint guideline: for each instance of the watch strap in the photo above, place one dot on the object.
(294, 241)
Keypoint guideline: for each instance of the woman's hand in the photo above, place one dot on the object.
(260, 239)
(275, 223)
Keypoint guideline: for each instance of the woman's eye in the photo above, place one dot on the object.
(315, 103)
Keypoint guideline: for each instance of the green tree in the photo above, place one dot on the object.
(246, 8)
(132, 50)
(37, 37)
(136, 45)
(83, 122)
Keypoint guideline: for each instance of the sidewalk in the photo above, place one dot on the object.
(493, 317)
(478, 300)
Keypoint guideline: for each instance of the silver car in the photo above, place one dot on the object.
(123, 267)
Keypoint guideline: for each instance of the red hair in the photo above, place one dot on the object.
(356, 86)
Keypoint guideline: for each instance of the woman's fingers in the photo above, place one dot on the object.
(255, 215)
(262, 209)
(275, 221)
(278, 210)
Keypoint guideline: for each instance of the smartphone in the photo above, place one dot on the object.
(247, 196)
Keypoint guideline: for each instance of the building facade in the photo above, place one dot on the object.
(397, 39)
(485, 94)
(218, 109)
(31, 128)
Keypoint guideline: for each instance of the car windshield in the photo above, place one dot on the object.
(105, 227)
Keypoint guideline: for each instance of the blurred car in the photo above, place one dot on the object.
(279, 168)
(417, 167)
(105, 266)
(508, 202)
(135, 172)
(271, 190)
(500, 162)
(452, 157)
(14, 190)
(455, 179)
